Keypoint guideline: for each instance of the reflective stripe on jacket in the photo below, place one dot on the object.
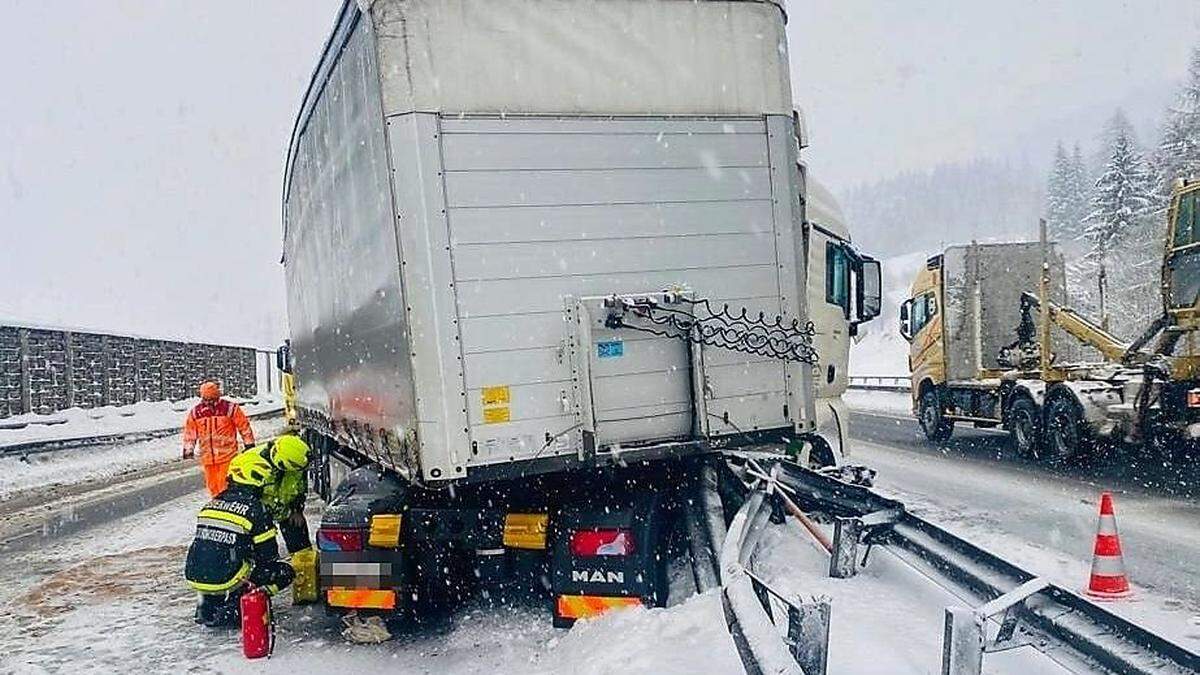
(233, 534)
(215, 427)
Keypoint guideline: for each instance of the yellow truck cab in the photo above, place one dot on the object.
(921, 325)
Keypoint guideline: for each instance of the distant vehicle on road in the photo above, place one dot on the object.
(990, 337)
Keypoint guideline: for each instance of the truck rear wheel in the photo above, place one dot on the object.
(933, 420)
(1025, 425)
(1066, 436)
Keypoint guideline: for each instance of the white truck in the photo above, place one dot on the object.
(542, 259)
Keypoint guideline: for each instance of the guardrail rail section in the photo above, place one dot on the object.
(1006, 606)
(881, 383)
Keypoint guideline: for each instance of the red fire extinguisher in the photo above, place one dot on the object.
(258, 627)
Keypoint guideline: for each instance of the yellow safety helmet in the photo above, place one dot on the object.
(289, 452)
(250, 468)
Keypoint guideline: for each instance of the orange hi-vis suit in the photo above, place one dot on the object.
(215, 426)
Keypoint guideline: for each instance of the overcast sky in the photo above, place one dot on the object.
(141, 143)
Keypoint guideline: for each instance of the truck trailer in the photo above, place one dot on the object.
(543, 259)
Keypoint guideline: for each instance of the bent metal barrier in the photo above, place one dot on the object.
(1009, 607)
(753, 609)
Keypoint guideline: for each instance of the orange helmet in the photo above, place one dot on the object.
(210, 390)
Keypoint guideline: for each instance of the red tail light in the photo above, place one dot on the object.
(589, 543)
(340, 539)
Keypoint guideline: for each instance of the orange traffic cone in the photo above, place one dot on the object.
(1108, 580)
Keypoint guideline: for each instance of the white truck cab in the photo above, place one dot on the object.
(843, 292)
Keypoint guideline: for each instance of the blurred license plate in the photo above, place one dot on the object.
(359, 573)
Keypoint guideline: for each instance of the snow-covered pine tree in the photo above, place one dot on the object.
(1079, 190)
(1119, 231)
(1178, 154)
(1060, 211)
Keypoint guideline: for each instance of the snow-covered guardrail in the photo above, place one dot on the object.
(1030, 611)
(880, 383)
(772, 633)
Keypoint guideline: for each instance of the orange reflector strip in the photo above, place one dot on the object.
(385, 530)
(361, 598)
(525, 530)
(584, 606)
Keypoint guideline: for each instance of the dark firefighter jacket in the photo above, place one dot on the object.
(233, 533)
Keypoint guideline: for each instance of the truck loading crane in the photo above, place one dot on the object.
(965, 368)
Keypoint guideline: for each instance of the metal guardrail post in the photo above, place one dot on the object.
(962, 642)
(843, 560)
(808, 635)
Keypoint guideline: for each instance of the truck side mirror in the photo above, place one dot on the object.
(283, 360)
(871, 283)
(906, 320)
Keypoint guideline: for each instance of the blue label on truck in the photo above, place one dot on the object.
(612, 349)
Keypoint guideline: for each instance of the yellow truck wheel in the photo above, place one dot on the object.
(933, 418)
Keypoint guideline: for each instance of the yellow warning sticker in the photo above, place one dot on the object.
(495, 396)
(495, 415)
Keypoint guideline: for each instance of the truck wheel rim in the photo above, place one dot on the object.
(929, 419)
(1060, 435)
(1023, 429)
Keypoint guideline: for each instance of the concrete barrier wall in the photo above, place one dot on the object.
(43, 370)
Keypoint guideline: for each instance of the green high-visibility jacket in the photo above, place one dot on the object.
(285, 491)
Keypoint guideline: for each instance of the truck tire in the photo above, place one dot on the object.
(1066, 434)
(933, 421)
(1025, 426)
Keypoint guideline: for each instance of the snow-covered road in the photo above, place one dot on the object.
(112, 599)
(1045, 520)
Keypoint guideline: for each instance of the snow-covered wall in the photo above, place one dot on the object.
(43, 371)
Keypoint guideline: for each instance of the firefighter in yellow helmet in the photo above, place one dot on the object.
(235, 545)
(284, 494)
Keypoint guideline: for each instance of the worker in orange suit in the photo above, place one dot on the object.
(215, 424)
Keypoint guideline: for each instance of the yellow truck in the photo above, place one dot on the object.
(993, 345)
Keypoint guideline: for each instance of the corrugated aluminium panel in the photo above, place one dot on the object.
(531, 237)
(616, 186)
(522, 296)
(627, 221)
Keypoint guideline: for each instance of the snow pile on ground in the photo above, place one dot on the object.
(881, 350)
(887, 620)
(67, 467)
(138, 417)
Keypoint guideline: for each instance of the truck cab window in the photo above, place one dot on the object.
(837, 276)
(920, 313)
(1185, 221)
